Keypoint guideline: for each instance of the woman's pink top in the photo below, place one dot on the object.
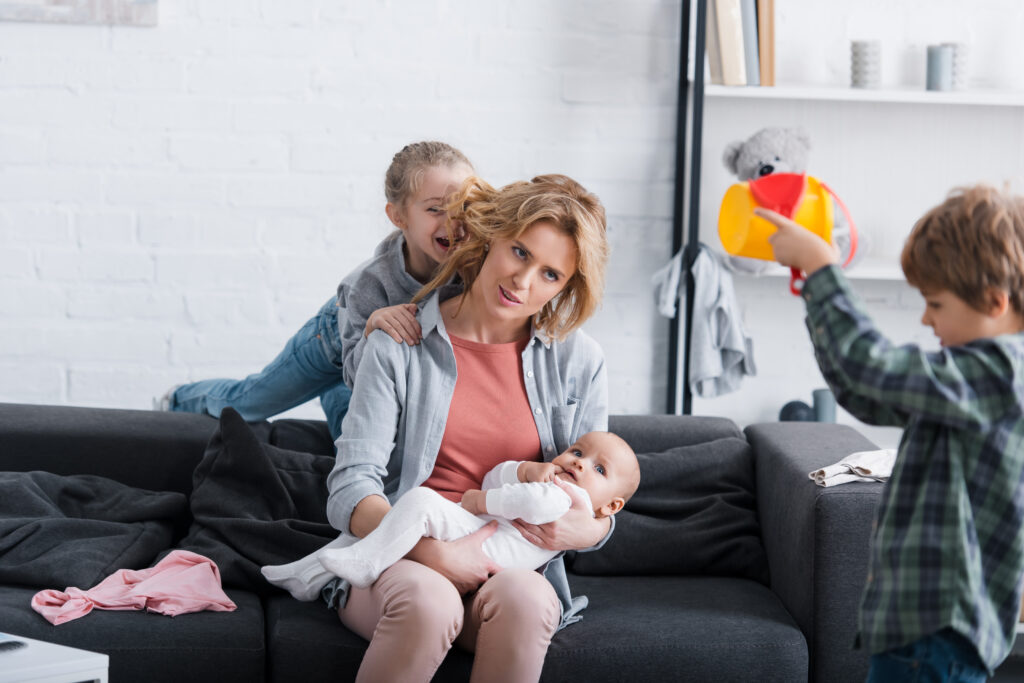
(489, 420)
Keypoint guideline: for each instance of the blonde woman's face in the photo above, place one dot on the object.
(520, 276)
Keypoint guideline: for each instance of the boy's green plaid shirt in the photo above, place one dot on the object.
(948, 547)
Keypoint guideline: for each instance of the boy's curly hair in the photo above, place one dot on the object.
(970, 244)
(486, 214)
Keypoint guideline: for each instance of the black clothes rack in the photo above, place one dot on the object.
(692, 225)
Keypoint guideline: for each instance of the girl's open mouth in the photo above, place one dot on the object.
(443, 242)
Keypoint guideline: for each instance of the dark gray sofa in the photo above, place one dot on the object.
(798, 625)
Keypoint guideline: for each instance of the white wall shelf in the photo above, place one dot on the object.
(997, 98)
(867, 269)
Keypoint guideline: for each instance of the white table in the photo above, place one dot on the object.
(42, 662)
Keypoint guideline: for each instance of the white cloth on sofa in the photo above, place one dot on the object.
(860, 466)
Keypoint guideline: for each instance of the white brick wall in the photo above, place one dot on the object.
(175, 201)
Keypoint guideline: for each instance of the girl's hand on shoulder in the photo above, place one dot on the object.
(398, 321)
(575, 530)
(462, 561)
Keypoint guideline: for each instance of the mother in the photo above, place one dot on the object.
(502, 373)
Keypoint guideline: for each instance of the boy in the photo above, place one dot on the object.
(943, 587)
(600, 467)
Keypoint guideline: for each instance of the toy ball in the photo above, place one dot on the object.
(796, 411)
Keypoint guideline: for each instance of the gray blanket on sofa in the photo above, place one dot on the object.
(59, 531)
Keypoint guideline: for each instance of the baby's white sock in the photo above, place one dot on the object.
(304, 577)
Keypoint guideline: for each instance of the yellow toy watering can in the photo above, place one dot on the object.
(800, 197)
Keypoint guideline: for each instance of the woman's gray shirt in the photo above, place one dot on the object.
(396, 419)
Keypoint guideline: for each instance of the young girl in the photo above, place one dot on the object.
(322, 357)
(501, 361)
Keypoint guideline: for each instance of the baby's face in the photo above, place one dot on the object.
(602, 465)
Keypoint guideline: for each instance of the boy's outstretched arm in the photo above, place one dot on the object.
(796, 247)
(878, 382)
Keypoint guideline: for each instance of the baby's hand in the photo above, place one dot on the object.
(398, 321)
(475, 501)
(797, 247)
(538, 471)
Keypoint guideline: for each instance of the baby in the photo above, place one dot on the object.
(600, 467)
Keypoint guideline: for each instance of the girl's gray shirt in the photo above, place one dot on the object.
(396, 419)
(381, 281)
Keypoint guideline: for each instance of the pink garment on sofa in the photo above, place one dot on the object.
(180, 583)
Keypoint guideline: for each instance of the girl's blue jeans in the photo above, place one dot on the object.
(940, 657)
(307, 367)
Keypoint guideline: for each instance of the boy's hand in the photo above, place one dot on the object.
(537, 471)
(797, 247)
(475, 501)
(398, 321)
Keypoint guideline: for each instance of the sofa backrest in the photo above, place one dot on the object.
(652, 433)
(159, 451)
(150, 450)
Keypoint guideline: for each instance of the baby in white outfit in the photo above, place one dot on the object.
(600, 466)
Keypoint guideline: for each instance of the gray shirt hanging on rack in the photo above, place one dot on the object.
(721, 352)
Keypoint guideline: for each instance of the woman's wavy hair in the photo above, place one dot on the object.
(487, 214)
(969, 244)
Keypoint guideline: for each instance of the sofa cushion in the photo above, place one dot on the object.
(76, 530)
(694, 513)
(677, 628)
(227, 647)
(307, 642)
(637, 628)
(255, 504)
(307, 436)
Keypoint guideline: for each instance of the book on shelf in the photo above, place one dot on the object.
(766, 40)
(729, 21)
(748, 12)
(711, 38)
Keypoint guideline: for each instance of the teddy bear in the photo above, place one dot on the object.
(780, 150)
(769, 150)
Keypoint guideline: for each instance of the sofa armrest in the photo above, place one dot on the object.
(817, 539)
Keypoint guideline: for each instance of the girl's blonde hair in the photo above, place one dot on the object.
(410, 164)
(487, 214)
(969, 244)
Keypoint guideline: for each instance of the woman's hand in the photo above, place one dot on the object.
(797, 247)
(463, 561)
(398, 321)
(575, 530)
